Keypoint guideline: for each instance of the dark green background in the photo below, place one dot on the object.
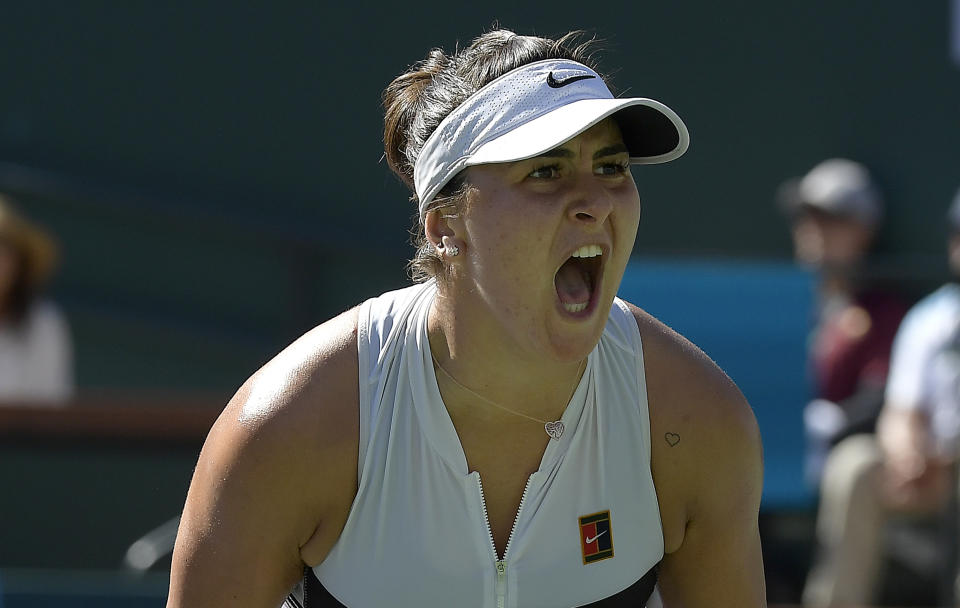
(213, 169)
(213, 173)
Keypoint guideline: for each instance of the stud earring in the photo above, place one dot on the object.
(453, 250)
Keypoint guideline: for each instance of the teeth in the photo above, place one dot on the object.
(575, 307)
(588, 251)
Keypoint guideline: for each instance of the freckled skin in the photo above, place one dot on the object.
(518, 229)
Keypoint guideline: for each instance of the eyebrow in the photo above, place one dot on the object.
(610, 151)
(602, 152)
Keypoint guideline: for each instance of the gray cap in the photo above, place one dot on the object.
(837, 186)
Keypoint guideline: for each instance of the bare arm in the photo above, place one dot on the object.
(904, 437)
(915, 475)
(708, 471)
(719, 562)
(275, 478)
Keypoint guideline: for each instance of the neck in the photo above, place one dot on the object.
(493, 365)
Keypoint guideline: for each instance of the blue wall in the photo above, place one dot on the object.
(752, 318)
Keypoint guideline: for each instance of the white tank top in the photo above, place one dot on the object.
(417, 534)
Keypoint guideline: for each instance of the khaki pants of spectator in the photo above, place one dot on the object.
(850, 526)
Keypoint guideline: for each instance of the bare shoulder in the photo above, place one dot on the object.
(706, 443)
(276, 475)
(298, 415)
(684, 383)
(310, 386)
(708, 472)
(300, 404)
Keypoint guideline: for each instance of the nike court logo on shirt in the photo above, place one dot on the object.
(591, 539)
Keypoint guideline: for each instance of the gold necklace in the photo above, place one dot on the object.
(553, 428)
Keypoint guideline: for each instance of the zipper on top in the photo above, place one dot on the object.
(501, 564)
(501, 583)
(513, 528)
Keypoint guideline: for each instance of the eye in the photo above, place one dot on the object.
(613, 168)
(545, 172)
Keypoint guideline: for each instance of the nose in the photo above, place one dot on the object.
(591, 205)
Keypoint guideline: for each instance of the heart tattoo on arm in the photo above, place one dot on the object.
(672, 439)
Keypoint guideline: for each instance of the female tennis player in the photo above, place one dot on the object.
(505, 432)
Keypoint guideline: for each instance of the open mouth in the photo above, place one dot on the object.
(578, 279)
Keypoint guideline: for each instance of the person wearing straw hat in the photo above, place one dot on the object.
(505, 432)
(36, 355)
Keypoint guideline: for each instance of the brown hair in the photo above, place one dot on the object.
(34, 257)
(417, 101)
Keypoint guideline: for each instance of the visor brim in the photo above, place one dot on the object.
(652, 132)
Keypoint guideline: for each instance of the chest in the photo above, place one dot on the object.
(503, 459)
(416, 518)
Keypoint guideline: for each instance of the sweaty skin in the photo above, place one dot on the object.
(277, 474)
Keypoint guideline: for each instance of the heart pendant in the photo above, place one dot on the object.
(554, 429)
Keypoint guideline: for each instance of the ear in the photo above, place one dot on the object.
(442, 232)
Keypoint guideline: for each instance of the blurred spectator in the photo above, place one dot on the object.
(835, 212)
(36, 358)
(909, 467)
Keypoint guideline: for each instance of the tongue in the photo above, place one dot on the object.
(572, 284)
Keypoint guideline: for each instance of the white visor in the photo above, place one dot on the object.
(534, 109)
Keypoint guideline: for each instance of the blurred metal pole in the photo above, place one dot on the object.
(955, 33)
(152, 546)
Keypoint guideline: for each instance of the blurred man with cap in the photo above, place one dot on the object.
(910, 465)
(836, 210)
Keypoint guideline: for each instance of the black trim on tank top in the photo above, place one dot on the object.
(315, 595)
